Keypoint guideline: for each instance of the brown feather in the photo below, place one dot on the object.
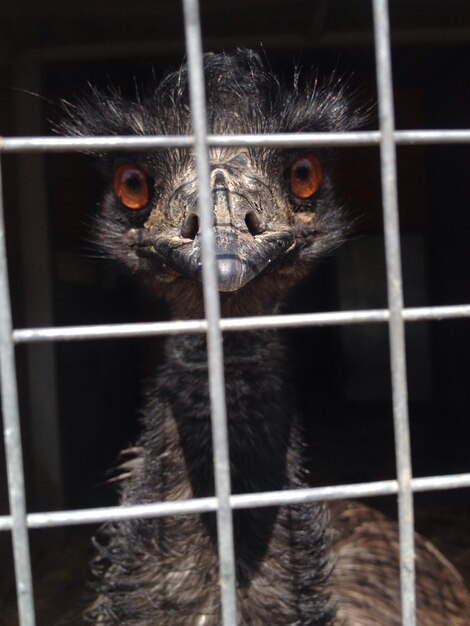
(365, 583)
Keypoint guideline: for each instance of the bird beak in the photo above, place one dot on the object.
(242, 257)
(250, 237)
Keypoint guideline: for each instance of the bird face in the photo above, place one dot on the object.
(256, 214)
(254, 228)
(274, 211)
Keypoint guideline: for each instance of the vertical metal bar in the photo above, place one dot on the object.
(212, 311)
(12, 434)
(395, 303)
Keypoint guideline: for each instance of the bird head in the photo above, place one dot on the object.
(274, 210)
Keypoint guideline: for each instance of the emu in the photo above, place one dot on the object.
(276, 212)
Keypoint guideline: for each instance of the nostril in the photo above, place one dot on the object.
(253, 224)
(190, 227)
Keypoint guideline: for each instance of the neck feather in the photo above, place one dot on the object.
(281, 562)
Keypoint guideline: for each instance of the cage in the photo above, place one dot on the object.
(73, 423)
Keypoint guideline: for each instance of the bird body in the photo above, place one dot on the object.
(365, 585)
(275, 213)
(166, 570)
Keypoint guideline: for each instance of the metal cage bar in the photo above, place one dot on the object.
(212, 312)
(279, 140)
(145, 329)
(237, 501)
(395, 304)
(12, 435)
(387, 138)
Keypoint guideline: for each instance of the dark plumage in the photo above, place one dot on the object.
(311, 564)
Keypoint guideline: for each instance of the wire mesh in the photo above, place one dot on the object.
(395, 316)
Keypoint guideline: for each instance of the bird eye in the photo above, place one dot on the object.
(131, 186)
(305, 176)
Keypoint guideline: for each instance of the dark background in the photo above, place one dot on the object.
(343, 373)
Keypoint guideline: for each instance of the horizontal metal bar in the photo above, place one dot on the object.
(238, 501)
(110, 331)
(358, 490)
(429, 137)
(92, 144)
(281, 140)
(417, 314)
(340, 318)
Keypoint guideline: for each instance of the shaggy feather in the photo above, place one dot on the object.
(294, 566)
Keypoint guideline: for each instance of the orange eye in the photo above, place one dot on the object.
(131, 186)
(305, 176)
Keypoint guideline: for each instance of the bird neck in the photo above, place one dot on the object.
(282, 549)
(262, 426)
(185, 299)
